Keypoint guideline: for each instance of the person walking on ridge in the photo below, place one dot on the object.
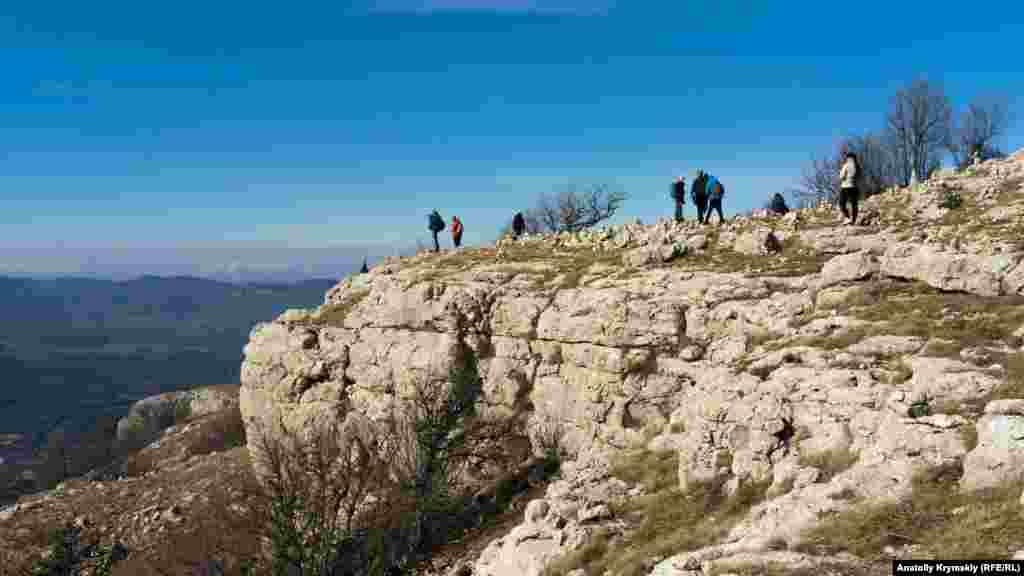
(679, 195)
(848, 176)
(699, 196)
(715, 192)
(436, 224)
(456, 231)
(518, 225)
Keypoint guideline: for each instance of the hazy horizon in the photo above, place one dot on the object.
(236, 262)
(292, 143)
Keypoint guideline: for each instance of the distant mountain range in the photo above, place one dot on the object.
(72, 348)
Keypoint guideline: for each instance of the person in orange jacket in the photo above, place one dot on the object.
(456, 231)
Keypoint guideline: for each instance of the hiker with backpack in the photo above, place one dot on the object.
(708, 193)
(518, 225)
(436, 224)
(849, 178)
(715, 194)
(456, 231)
(679, 195)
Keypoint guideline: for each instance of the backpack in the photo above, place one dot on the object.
(713, 189)
(436, 222)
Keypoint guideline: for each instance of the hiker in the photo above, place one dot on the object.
(679, 195)
(518, 225)
(778, 205)
(436, 225)
(699, 195)
(712, 198)
(849, 174)
(456, 231)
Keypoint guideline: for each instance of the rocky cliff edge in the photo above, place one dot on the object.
(831, 373)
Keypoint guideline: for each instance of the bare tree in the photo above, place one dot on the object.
(575, 209)
(315, 489)
(877, 161)
(920, 124)
(819, 182)
(980, 125)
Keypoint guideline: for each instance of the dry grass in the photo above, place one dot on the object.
(838, 341)
(950, 321)
(830, 463)
(1013, 385)
(666, 521)
(937, 518)
(775, 568)
(795, 259)
(335, 314)
(655, 471)
(899, 370)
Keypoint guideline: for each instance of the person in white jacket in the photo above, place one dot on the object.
(848, 191)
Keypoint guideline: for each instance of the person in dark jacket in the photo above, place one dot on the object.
(778, 205)
(679, 195)
(699, 195)
(518, 225)
(456, 231)
(436, 224)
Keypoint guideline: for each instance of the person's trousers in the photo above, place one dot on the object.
(702, 210)
(457, 239)
(850, 195)
(679, 211)
(715, 205)
(437, 247)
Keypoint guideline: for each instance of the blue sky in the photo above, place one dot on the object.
(190, 137)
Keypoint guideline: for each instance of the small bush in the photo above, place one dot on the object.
(71, 553)
(182, 410)
(951, 200)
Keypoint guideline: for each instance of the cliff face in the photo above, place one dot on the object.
(885, 341)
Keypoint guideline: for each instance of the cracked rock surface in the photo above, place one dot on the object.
(693, 339)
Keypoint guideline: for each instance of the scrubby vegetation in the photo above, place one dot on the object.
(72, 552)
(664, 521)
(936, 521)
(335, 314)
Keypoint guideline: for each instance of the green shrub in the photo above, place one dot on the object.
(951, 200)
(182, 410)
(69, 554)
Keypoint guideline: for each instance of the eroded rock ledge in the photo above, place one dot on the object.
(746, 365)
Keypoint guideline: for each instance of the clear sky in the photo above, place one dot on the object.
(184, 137)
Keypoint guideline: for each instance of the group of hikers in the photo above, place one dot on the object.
(435, 223)
(706, 192)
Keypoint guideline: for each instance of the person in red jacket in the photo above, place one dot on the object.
(456, 231)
